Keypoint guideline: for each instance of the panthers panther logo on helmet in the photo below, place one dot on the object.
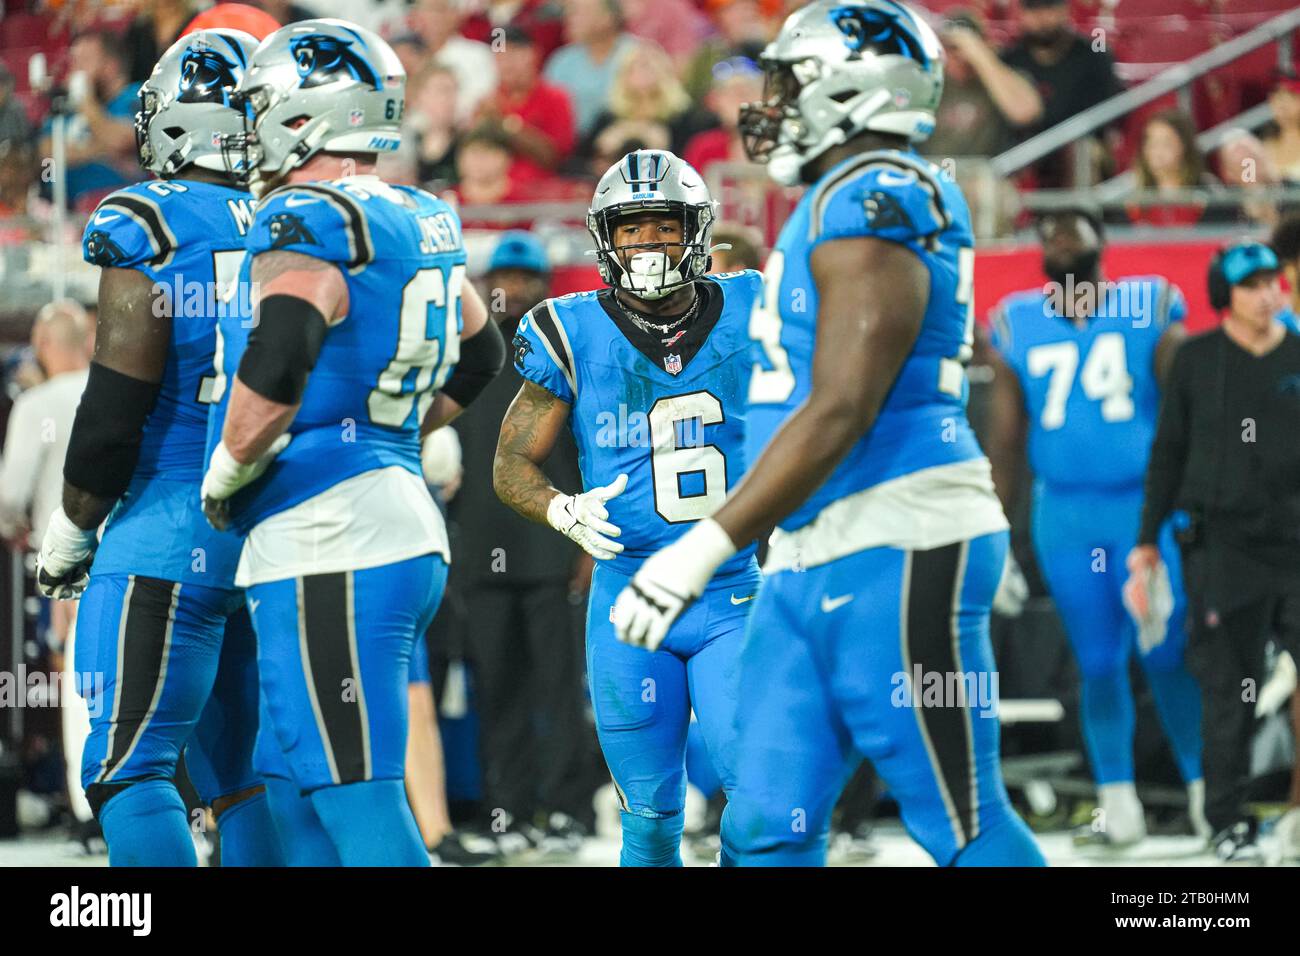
(868, 28)
(206, 76)
(321, 59)
(288, 229)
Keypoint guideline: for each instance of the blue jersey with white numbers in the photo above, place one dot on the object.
(188, 237)
(675, 428)
(399, 249)
(896, 196)
(1090, 390)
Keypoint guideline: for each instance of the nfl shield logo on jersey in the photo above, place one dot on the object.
(673, 364)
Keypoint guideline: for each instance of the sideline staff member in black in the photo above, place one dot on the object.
(1227, 453)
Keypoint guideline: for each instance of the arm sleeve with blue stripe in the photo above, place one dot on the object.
(313, 220)
(533, 359)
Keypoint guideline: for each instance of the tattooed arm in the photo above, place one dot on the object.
(532, 426)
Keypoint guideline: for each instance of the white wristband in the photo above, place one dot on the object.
(62, 536)
(704, 548)
(559, 515)
(225, 475)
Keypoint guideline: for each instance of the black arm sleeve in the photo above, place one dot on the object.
(282, 348)
(105, 442)
(482, 356)
(1168, 452)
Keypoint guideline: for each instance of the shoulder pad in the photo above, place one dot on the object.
(129, 229)
(885, 194)
(316, 220)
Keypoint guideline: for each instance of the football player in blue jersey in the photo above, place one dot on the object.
(650, 374)
(870, 634)
(364, 328)
(160, 618)
(1078, 383)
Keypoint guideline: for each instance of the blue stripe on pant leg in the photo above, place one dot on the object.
(150, 648)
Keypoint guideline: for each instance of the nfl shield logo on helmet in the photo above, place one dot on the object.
(356, 117)
(673, 364)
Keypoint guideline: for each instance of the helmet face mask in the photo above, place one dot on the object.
(187, 105)
(313, 86)
(652, 182)
(838, 68)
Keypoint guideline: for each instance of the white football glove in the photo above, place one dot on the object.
(666, 584)
(63, 566)
(582, 518)
(1013, 589)
(225, 476)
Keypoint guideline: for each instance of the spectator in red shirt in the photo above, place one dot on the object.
(735, 81)
(676, 25)
(483, 177)
(542, 19)
(1169, 160)
(534, 117)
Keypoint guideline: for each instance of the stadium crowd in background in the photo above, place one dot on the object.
(518, 101)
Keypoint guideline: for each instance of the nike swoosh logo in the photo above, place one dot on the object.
(105, 217)
(294, 201)
(736, 600)
(892, 179)
(830, 604)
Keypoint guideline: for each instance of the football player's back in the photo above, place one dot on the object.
(161, 623)
(399, 250)
(356, 345)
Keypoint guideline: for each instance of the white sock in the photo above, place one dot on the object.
(1196, 809)
(1124, 821)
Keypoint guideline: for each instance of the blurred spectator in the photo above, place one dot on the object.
(287, 12)
(430, 135)
(535, 117)
(17, 175)
(983, 98)
(735, 81)
(586, 66)
(743, 31)
(518, 576)
(676, 26)
(1283, 144)
(36, 442)
(14, 124)
(1168, 159)
(1244, 164)
(411, 51)
(156, 27)
(647, 102)
(101, 134)
(542, 19)
(1070, 75)
(437, 22)
(745, 251)
(483, 169)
